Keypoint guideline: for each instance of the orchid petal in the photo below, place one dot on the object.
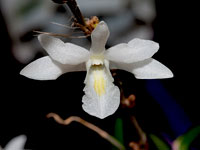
(147, 69)
(136, 50)
(16, 143)
(101, 97)
(99, 38)
(64, 53)
(47, 69)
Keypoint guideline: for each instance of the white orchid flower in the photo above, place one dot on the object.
(101, 97)
(16, 143)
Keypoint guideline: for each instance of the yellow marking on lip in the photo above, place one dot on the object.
(99, 82)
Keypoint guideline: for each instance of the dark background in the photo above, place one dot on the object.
(24, 103)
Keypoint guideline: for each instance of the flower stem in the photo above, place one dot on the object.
(143, 143)
(76, 11)
(101, 132)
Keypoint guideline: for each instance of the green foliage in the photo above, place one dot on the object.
(183, 142)
(159, 143)
(28, 7)
(118, 131)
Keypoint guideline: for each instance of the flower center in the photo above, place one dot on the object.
(97, 59)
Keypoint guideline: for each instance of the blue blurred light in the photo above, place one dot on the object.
(175, 114)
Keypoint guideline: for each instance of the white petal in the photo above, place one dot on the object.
(65, 53)
(16, 143)
(107, 64)
(147, 69)
(136, 50)
(101, 97)
(47, 69)
(99, 38)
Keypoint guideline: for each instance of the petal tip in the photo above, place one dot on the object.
(42, 69)
(157, 46)
(98, 115)
(169, 74)
(102, 23)
(24, 72)
(22, 138)
(102, 27)
(17, 143)
(40, 36)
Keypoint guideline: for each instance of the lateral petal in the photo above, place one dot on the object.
(64, 53)
(136, 50)
(102, 97)
(147, 69)
(47, 69)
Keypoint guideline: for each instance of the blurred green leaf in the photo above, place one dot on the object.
(183, 142)
(159, 143)
(118, 131)
(28, 7)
